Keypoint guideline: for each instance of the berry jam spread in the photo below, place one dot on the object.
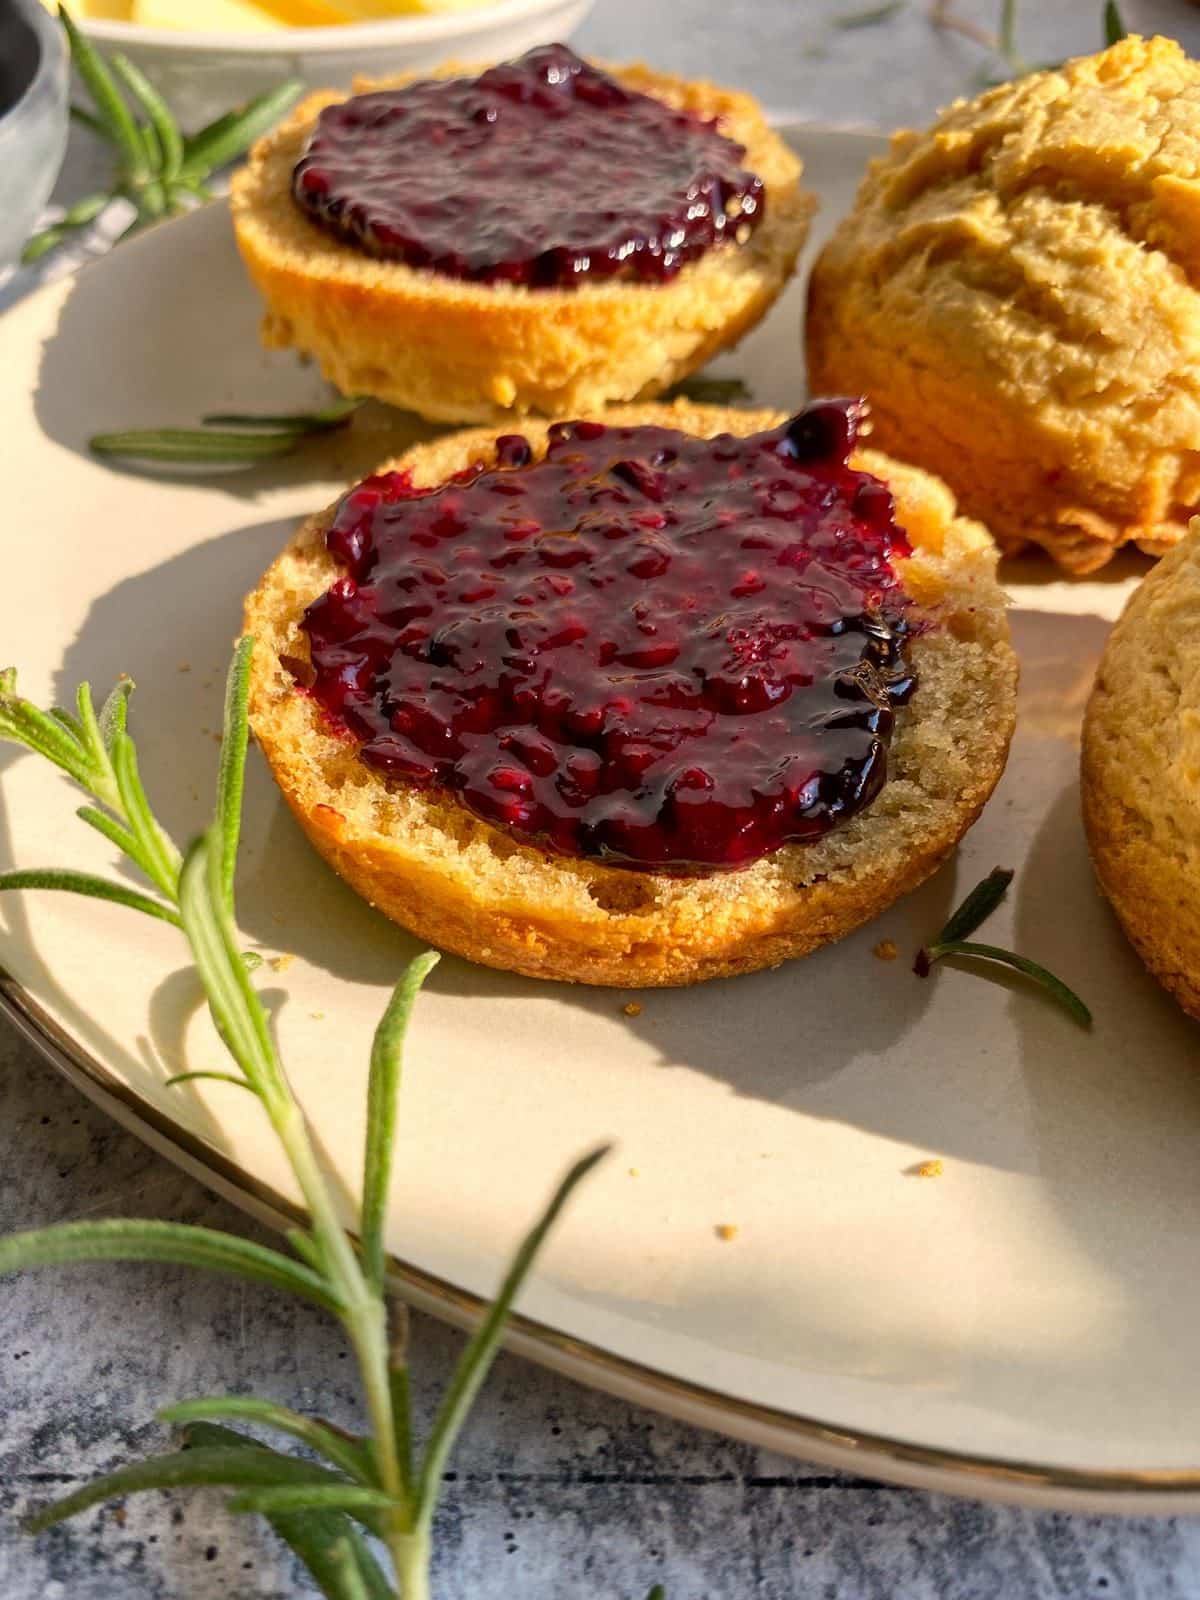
(663, 651)
(543, 171)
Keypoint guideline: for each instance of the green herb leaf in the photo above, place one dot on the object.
(382, 1093)
(483, 1345)
(180, 1244)
(214, 1465)
(88, 119)
(23, 723)
(112, 830)
(237, 1014)
(232, 776)
(343, 1452)
(305, 1247)
(327, 1542)
(1114, 26)
(195, 446)
(114, 713)
(867, 19)
(42, 243)
(401, 1397)
(156, 854)
(709, 391)
(85, 883)
(332, 416)
(273, 1499)
(1054, 987)
(229, 136)
(106, 97)
(657, 1593)
(168, 139)
(177, 1078)
(978, 906)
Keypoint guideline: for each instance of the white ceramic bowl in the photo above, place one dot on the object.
(33, 118)
(204, 74)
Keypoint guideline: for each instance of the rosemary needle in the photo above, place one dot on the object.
(158, 169)
(954, 941)
(227, 438)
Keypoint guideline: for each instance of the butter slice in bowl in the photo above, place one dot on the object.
(254, 16)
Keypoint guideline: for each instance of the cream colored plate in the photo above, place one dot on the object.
(1022, 1326)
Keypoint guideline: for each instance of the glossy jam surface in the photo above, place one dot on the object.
(663, 651)
(543, 171)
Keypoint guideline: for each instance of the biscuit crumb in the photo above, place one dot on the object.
(317, 1016)
(726, 1231)
(886, 950)
(632, 1008)
(184, 666)
(281, 963)
(633, 1172)
(926, 1169)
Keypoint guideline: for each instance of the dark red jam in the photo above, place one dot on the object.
(663, 651)
(542, 171)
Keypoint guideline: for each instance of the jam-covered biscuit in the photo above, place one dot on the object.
(541, 236)
(500, 716)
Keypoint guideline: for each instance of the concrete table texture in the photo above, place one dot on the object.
(553, 1490)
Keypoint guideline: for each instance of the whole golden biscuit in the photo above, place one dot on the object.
(1141, 771)
(1016, 291)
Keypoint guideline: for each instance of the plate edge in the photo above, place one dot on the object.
(1131, 1491)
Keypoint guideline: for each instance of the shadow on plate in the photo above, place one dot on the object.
(166, 330)
(171, 627)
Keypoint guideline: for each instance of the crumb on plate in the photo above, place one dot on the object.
(933, 1168)
(886, 950)
(726, 1231)
(632, 1008)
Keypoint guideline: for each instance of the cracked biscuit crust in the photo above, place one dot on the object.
(1016, 290)
(455, 351)
(466, 886)
(1141, 772)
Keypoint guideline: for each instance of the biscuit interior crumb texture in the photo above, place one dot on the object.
(466, 886)
(1016, 289)
(1141, 771)
(456, 351)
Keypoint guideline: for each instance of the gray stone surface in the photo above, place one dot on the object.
(554, 1491)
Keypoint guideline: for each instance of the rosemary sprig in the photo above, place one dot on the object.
(1003, 43)
(158, 169)
(224, 438)
(709, 391)
(369, 1485)
(870, 17)
(954, 940)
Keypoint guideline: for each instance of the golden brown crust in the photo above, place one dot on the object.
(1141, 771)
(1016, 289)
(463, 352)
(468, 887)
